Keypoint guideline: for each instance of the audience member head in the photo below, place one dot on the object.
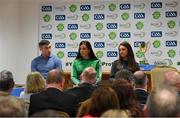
(85, 51)
(102, 99)
(35, 82)
(172, 78)
(51, 113)
(115, 113)
(89, 75)
(163, 102)
(12, 107)
(55, 79)
(125, 74)
(6, 81)
(126, 96)
(140, 79)
(45, 48)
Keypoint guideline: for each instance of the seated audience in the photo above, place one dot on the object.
(53, 97)
(141, 87)
(12, 107)
(86, 87)
(127, 99)
(34, 83)
(6, 82)
(163, 102)
(102, 99)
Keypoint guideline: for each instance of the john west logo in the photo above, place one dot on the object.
(124, 6)
(60, 17)
(138, 43)
(112, 25)
(171, 14)
(60, 45)
(85, 35)
(99, 44)
(171, 43)
(72, 54)
(112, 53)
(125, 35)
(98, 16)
(156, 34)
(85, 7)
(46, 36)
(139, 15)
(46, 8)
(156, 5)
(72, 26)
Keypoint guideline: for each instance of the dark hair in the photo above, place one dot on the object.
(91, 53)
(125, 74)
(6, 80)
(132, 64)
(55, 76)
(44, 42)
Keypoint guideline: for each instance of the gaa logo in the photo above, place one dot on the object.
(85, 35)
(138, 43)
(125, 35)
(124, 6)
(98, 16)
(46, 36)
(139, 15)
(112, 53)
(46, 8)
(156, 34)
(171, 14)
(60, 17)
(72, 26)
(112, 25)
(171, 43)
(156, 5)
(60, 45)
(72, 54)
(85, 7)
(99, 44)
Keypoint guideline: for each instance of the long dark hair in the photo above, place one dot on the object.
(91, 53)
(132, 64)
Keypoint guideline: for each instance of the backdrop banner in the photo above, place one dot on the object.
(150, 26)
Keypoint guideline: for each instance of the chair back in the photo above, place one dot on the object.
(157, 75)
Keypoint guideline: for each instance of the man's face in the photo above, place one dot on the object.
(45, 50)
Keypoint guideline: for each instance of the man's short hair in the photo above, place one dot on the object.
(163, 102)
(6, 80)
(125, 74)
(89, 72)
(55, 76)
(12, 107)
(44, 42)
(140, 79)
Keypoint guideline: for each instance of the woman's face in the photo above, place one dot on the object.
(123, 52)
(84, 51)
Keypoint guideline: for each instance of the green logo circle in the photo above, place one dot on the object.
(156, 15)
(125, 16)
(73, 8)
(60, 54)
(85, 17)
(139, 54)
(73, 36)
(112, 35)
(171, 53)
(60, 27)
(47, 18)
(99, 26)
(112, 7)
(99, 54)
(156, 44)
(139, 25)
(171, 24)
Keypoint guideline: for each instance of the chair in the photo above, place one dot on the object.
(157, 74)
(16, 91)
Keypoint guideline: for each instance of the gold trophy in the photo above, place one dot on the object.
(144, 47)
